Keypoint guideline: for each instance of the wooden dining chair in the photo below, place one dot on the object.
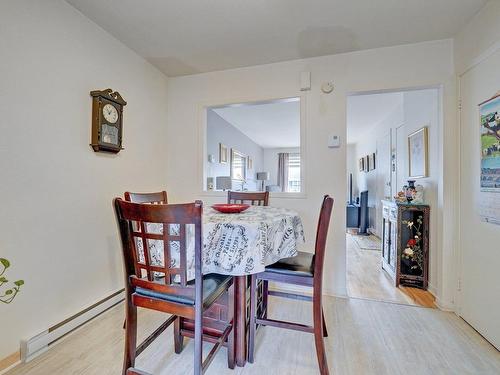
(305, 269)
(159, 197)
(252, 198)
(172, 293)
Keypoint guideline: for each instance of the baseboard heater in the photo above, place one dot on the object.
(36, 345)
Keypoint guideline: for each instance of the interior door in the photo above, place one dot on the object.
(479, 302)
(383, 179)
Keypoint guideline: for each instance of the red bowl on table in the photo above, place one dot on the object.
(229, 208)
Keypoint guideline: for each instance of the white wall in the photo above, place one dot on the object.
(422, 108)
(271, 162)
(367, 145)
(478, 58)
(481, 35)
(57, 224)
(221, 131)
(423, 64)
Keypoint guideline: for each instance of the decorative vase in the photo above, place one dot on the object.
(419, 195)
(410, 190)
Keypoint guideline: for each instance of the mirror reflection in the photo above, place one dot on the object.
(254, 147)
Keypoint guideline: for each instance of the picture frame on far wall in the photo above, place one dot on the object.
(223, 156)
(249, 162)
(367, 163)
(418, 153)
(361, 163)
(371, 159)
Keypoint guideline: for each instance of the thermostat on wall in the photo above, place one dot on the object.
(333, 141)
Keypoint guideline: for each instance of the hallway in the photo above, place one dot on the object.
(366, 279)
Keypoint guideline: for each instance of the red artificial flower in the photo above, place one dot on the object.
(412, 242)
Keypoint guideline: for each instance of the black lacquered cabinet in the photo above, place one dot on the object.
(405, 240)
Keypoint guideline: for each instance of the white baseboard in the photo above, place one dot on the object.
(440, 304)
(445, 305)
(431, 289)
(38, 344)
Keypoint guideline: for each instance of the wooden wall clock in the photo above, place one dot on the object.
(107, 121)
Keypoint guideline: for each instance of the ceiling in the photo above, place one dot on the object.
(183, 37)
(366, 111)
(270, 125)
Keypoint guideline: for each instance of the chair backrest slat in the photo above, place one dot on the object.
(147, 264)
(182, 257)
(166, 253)
(139, 227)
(253, 198)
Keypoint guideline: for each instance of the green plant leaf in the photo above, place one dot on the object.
(8, 292)
(5, 262)
(19, 282)
(3, 279)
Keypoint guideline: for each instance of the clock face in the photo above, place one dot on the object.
(110, 113)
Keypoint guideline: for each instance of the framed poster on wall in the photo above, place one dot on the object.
(489, 125)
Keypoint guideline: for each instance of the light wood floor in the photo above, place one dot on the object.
(366, 337)
(366, 279)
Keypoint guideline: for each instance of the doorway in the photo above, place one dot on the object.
(378, 124)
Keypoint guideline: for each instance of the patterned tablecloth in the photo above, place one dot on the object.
(235, 244)
(242, 244)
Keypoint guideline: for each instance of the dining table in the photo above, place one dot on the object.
(241, 244)
(236, 244)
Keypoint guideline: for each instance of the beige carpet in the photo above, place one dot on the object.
(370, 242)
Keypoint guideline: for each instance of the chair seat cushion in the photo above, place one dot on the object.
(300, 265)
(213, 286)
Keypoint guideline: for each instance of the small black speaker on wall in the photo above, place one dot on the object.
(363, 214)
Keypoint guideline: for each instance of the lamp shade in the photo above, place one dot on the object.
(263, 176)
(223, 183)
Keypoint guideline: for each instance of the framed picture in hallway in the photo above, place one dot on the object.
(418, 153)
(222, 153)
(367, 163)
(371, 160)
(361, 164)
